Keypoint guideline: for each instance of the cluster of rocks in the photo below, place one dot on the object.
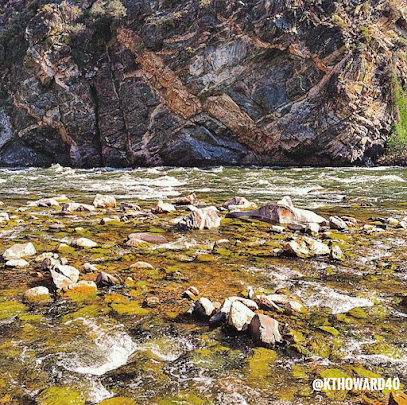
(239, 314)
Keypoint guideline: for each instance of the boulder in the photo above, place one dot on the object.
(85, 243)
(126, 207)
(277, 229)
(17, 263)
(392, 221)
(283, 212)
(306, 247)
(37, 295)
(162, 207)
(90, 267)
(240, 316)
(200, 218)
(204, 308)
(63, 275)
(19, 250)
(337, 223)
(135, 239)
(104, 201)
(264, 330)
(223, 313)
(106, 280)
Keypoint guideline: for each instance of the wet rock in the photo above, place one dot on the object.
(83, 286)
(126, 207)
(337, 223)
(240, 316)
(4, 217)
(397, 398)
(204, 308)
(44, 202)
(312, 229)
(238, 203)
(162, 207)
(90, 267)
(135, 239)
(104, 201)
(63, 275)
(392, 221)
(306, 247)
(200, 218)
(106, 280)
(19, 250)
(141, 265)
(222, 314)
(190, 295)
(193, 290)
(17, 263)
(277, 229)
(57, 226)
(337, 254)
(187, 200)
(349, 219)
(264, 330)
(293, 306)
(106, 220)
(76, 207)
(283, 212)
(266, 302)
(402, 224)
(85, 243)
(294, 226)
(152, 302)
(37, 295)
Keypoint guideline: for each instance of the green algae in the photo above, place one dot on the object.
(183, 399)
(260, 362)
(118, 401)
(11, 308)
(334, 373)
(358, 313)
(60, 396)
(329, 329)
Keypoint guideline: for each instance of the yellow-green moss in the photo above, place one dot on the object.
(60, 396)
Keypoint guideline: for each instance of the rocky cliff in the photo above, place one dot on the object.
(198, 82)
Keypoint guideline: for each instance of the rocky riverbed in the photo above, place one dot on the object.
(146, 287)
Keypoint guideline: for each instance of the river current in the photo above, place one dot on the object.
(110, 346)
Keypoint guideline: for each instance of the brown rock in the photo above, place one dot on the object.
(264, 330)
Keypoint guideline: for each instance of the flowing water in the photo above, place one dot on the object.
(109, 346)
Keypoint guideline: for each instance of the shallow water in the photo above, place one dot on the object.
(109, 344)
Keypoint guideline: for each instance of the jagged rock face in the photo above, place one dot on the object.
(163, 82)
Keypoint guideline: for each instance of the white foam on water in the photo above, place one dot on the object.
(96, 392)
(322, 296)
(110, 350)
(168, 349)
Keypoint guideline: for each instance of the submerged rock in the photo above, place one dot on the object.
(200, 218)
(141, 265)
(19, 250)
(306, 247)
(264, 330)
(37, 295)
(135, 239)
(104, 201)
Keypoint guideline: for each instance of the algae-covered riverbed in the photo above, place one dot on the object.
(134, 342)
